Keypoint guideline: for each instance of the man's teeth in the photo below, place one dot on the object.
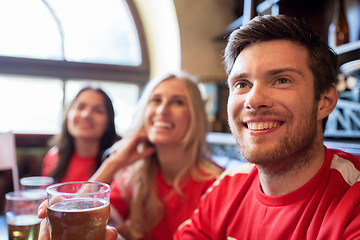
(162, 125)
(262, 125)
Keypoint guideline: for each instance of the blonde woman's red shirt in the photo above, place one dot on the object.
(177, 208)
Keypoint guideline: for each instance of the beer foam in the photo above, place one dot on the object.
(22, 220)
(79, 205)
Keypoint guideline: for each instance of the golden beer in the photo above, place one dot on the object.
(21, 214)
(24, 227)
(78, 219)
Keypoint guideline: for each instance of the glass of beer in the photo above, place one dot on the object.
(78, 210)
(21, 214)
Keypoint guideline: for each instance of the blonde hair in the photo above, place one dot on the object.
(146, 209)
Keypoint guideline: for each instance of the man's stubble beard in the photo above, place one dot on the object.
(291, 152)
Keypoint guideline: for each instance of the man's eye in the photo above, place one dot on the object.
(282, 80)
(241, 85)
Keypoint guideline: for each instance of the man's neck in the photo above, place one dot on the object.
(289, 180)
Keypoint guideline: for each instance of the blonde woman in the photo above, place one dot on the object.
(163, 165)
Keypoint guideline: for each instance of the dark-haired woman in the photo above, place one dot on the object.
(88, 129)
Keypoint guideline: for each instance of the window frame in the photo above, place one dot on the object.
(78, 70)
(81, 70)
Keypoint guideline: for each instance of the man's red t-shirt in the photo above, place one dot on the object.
(327, 207)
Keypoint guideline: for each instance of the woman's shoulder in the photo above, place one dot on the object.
(52, 154)
(53, 151)
(50, 161)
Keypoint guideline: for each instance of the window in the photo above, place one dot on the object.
(50, 48)
(35, 105)
(73, 30)
(30, 105)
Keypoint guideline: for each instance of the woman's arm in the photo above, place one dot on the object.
(124, 153)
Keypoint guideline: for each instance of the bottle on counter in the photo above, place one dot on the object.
(339, 27)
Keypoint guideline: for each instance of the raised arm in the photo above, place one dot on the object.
(123, 153)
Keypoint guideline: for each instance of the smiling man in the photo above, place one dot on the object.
(281, 78)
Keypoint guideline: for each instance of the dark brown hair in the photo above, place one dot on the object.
(322, 59)
(65, 142)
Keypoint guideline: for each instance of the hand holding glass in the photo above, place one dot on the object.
(78, 210)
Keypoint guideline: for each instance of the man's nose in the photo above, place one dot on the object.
(258, 98)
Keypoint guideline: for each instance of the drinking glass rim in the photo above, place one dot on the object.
(42, 180)
(50, 189)
(21, 195)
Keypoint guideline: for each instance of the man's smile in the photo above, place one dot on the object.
(262, 125)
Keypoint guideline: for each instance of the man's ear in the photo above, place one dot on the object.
(327, 102)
